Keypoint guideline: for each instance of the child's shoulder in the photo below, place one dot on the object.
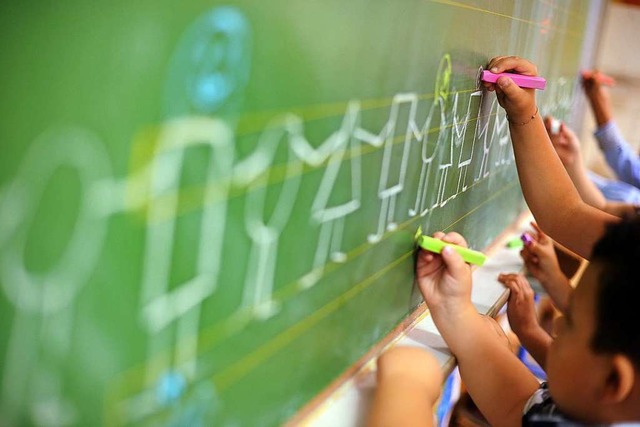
(541, 410)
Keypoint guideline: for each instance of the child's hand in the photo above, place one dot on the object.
(591, 84)
(409, 382)
(521, 309)
(598, 98)
(540, 258)
(565, 142)
(411, 364)
(519, 103)
(444, 279)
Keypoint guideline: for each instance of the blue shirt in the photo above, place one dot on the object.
(613, 189)
(619, 155)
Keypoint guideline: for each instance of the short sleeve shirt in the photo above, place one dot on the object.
(541, 410)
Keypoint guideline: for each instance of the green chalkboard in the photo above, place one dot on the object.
(207, 208)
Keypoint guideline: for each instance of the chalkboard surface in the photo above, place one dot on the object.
(207, 209)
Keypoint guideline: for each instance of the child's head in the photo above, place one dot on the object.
(593, 365)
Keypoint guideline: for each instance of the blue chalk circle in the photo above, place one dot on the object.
(210, 90)
(210, 67)
(170, 387)
(198, 409)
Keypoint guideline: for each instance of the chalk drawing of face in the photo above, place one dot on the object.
(210, 67)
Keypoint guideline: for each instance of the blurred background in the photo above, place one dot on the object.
(617, 56)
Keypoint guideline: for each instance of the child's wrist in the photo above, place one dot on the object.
(521, 119)
(557, 278)
(453, 313)
(527, 330)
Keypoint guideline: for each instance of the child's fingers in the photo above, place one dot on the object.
(537, 228)
(515, 294)
(534, 248)
(489, 86)
(512, 282)
(455, 238)
(524, 285)
(425, 255)
(426, 264)
(524, 290)
(541, 237)
(456, 266)
(512, 91)
(528, 256)
(426, 259)
(548, 120)
(505, 277)
(438, 235)
(591, 79)
(540, 249)
(495, 60)
(569, 134)
(513, 63)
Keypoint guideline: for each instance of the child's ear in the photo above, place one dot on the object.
(620, 379)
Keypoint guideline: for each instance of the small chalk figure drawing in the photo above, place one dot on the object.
(42, 331)
(204, 91)
(161, 307)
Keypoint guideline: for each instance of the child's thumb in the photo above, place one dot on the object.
(509, 88)
(536, 248)
(454, 262)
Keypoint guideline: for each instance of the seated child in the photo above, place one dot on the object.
(593, 364)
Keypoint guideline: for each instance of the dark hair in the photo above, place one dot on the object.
(618, 290)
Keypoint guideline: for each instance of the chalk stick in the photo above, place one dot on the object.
(603, 79)
(526, 239)
(515, 243)
(519, 79)
(436, 245)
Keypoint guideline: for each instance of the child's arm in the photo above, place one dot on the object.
(497, 381)
(409, 382)
(598, 99)
(618, 153)
(547, 188)
(567, 146)
(521, 312)
(541, 262)
(621, 209)
(620, 156)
